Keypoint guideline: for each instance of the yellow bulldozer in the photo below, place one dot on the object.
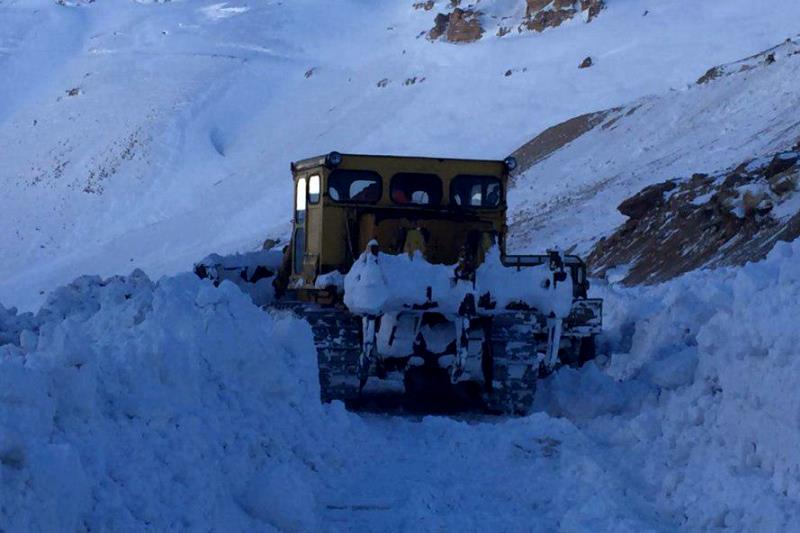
(399, 266)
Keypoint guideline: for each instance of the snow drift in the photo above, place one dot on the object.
(127, 405)
(700, 392)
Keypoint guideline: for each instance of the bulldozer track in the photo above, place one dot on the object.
(512, 375)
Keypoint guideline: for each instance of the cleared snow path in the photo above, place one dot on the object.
(439, 474)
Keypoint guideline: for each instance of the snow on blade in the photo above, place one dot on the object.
(385, 282)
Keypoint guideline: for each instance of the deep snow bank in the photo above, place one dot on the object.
(705, 410)
(127, 405)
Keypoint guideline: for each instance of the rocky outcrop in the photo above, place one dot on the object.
(459, 26)
(543, 14)
(555, 138)
(704, 221)
(788, 48)
(464, 25)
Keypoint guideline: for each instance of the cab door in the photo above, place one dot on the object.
(300, 216)
(307, 237)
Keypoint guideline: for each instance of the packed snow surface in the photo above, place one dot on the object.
(128, 404)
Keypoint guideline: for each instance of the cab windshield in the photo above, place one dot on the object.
(409, 188)
(354, 186)
(476, 191)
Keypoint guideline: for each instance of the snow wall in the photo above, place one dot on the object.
(127, 404)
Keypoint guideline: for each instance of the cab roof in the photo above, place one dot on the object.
(330, 160)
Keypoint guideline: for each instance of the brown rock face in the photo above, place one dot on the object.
(644, 202)
(464, 27)
(592, 8)
(440, 24)
(702, 222)
(549, 19)
(586, 63)
(460, 26)
(534, 6)
(543, 14)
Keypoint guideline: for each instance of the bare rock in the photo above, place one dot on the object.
(645, 201)
(427, 5)
(440, 24)
(460, 26)
(549, 19)
(783, 183)
(586, 63)
(704, 222)
(465, 26)
(534, 6)
(711, 74)
(592, 8)
(781, 163)
(543, 14)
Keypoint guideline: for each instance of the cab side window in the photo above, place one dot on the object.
(300, 200)
(409, 188)
(355, 186)
(313, 189)
(476, 191)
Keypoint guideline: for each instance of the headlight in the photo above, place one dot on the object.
(511, 163)
(334, 159)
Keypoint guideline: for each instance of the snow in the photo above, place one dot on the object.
(129, 404)
(570, 199)
(166, 405)
(380, 283)
(188, 113)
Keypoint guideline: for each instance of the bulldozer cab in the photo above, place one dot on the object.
(449, 210)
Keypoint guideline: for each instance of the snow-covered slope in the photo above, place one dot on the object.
(570, 197)
(147, 134)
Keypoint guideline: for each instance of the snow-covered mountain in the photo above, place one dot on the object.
(732, 139)
(147, 134)
(138, 134)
